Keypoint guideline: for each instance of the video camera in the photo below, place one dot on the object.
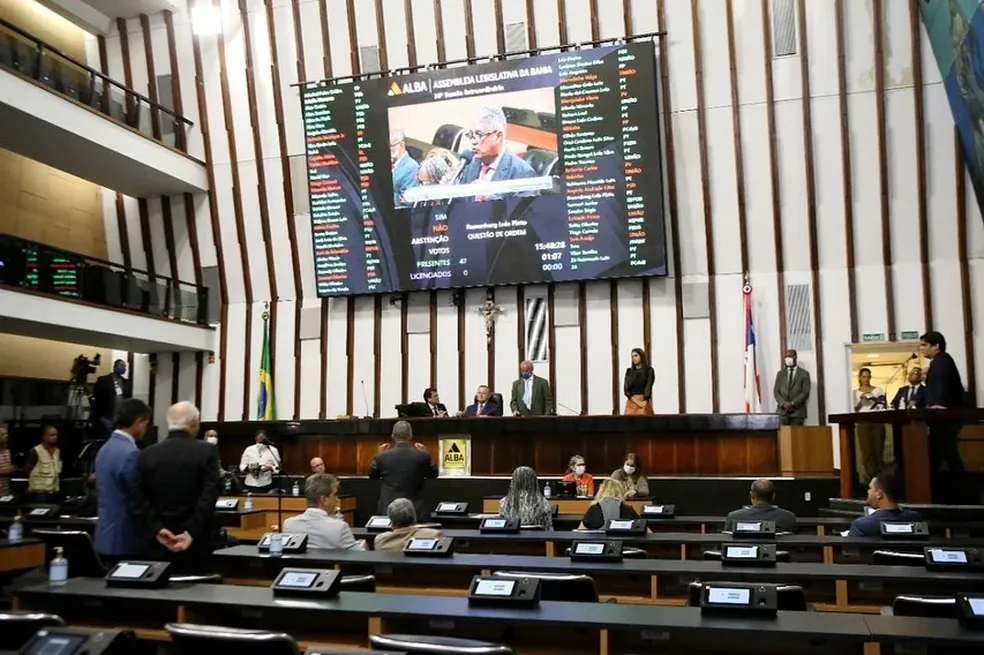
(83, 367)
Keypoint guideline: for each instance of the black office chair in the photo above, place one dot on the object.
(429, 645)
(542, 162)
(448, 137)
(715, 556)
(934, 607)
(896, 558)
(79, 550)
(791, 598)
(365, 583)
(17, 627)
(190, 639)
(558, 586)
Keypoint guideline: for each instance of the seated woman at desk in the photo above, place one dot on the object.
(403, 522)
(524, 500)
(636, 484)
(608, 505)
(578, 474)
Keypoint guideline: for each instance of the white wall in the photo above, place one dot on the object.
(698, 354)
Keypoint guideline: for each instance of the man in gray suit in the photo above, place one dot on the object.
(492, 161)
(531, 395)
(791, 391)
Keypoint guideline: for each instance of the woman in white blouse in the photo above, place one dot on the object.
(870, 437)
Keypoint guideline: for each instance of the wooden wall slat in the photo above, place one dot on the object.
(155, 119)
(562, 21)
(582, 320)
(381, 36)
(148, 247)
(530, 23)
(922, 212)
(738, 141)
(469, 29)
(323, 398)
(671, 204)
(176, 378)
(405, 350)
(377, 354)
(705, 185)
(325, 37)
(350, 355)
(811, 212)
(627, 27)
(593, 12)
(490, 350)
(167, 218)
(181, 135)
(877, 14)
(411, 32)
(846, 166)
(354, 53)
(551, 342)
(125, 52)
(774, 174)
(442, 54)
(500, 28)
(432, 298)
(613, 325)
(966, 292)
(462, 394)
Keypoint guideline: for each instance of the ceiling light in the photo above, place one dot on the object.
(206, 19)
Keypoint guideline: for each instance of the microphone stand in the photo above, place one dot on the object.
(277, 477)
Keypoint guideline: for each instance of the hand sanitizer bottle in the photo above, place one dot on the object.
(16, 531)
(546, 490)
(296, 489)
(276, 542)
(249, 502)
(58, 569)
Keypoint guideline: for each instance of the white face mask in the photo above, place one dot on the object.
(628, 469)
(579, 469)
(790, 362)
(212, 440)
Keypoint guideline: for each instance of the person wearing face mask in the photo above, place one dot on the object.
(791, 391)
(531, 395)
(630, 475)
(578, 474)
(108, 393)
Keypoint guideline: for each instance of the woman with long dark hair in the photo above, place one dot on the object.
(524, 500)
(638, 387)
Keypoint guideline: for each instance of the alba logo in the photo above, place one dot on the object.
(409, 87)
(453, 456)
(395, 90)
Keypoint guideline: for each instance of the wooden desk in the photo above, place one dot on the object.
(688, 444)
(21, 556)
(271, 510)
(832, 587)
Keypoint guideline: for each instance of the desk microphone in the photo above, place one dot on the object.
(365, 398)
(572, 411)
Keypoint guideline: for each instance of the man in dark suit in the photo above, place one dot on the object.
(492, 161)
(763, 495)
(791, 391)
(944, 390)
(402, 468)
(116, 532)
(913, 395)
(531, 395)
(108, 393)
(483, 405)
(174, 492)
(433, 400)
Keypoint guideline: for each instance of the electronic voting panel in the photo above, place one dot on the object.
(904, 530)
(947, 558)
(739, 598)
(596, 551)
(429, 547)
(499, 525)
(504, 592)
(134, 574)
(307, 583)
(748, 554)
(754, 530)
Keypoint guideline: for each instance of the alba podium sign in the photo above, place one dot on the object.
(455, 455)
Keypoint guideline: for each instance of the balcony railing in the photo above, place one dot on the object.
(43, 269)
(27, 55)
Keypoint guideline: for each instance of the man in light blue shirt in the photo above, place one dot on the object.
(116, 533)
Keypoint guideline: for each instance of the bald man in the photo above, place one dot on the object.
(175, 487)
(763, 495)
(317, 465)
(531, 394)
(404, 166)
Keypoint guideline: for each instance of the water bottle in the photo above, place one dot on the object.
(276, 542)
(249, 502)
(296, 489)
(546, 490)
(58, 570)
(228, 483)
(16, 531)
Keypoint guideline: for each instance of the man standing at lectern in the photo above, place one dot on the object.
(944, 390)
(791, 391)
(402, 468)
(531, 394)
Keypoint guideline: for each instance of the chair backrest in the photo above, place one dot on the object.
(17, 627)
(191, 639)
(448, 137)
(542, 161)
(896, 558)
(937, 607)
(358, 583)
(559, 586)
(634, 553)
(83, 561)
(207, 578)
(497, 398)
(429, 645)
(790, 598)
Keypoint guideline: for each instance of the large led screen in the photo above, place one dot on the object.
(541, 169)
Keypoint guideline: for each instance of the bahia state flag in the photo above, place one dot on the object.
(753, 387)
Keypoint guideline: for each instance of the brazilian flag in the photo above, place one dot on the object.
(266, 409)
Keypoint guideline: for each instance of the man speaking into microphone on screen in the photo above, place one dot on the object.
(492, 161)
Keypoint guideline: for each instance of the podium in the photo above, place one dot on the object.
(805, 451)
(914, 452)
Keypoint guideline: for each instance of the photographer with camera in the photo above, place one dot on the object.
(109, 392)
(260, 462)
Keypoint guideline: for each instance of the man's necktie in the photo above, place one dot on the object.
(480, 408)
(789, 384)
(434, 409)
(483, 172)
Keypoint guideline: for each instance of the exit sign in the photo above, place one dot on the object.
(873, 336)
(910, 336)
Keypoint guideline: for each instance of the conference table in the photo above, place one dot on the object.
(21, 555)
(552, 627)
(831, 587)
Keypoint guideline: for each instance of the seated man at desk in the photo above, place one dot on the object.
(763, 495)
(403, 519)
(883, 495)
(319, 521)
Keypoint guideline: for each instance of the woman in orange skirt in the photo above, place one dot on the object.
(638, 388)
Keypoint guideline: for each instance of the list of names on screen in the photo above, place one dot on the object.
(538, 169)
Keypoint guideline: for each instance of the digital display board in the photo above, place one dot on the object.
(541, 169)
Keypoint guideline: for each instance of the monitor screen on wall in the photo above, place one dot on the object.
(540, 169)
